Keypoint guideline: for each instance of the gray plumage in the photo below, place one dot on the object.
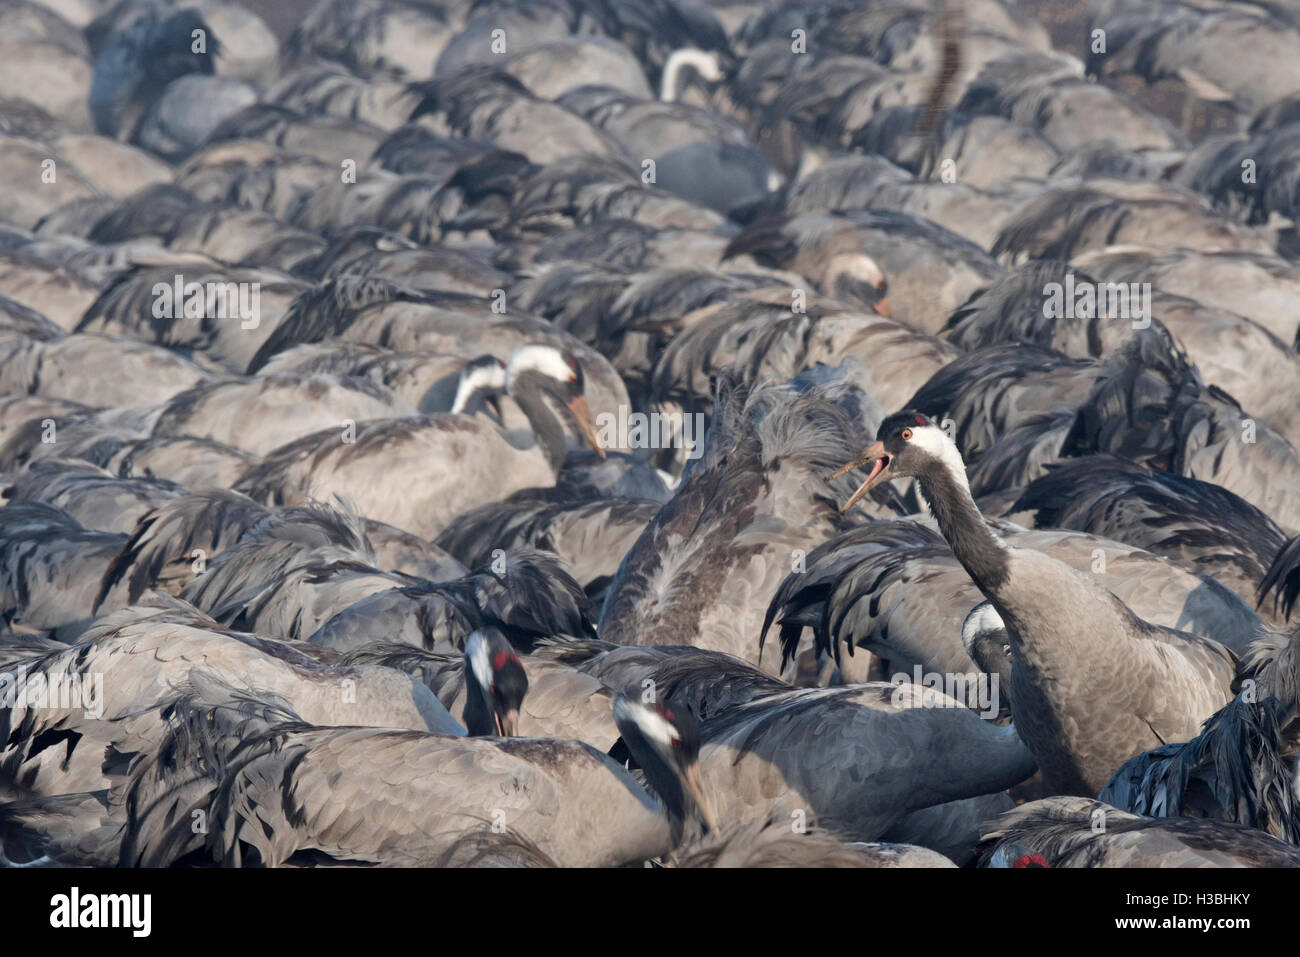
(1251, 284)
(562, 702)
(989, 393)
(704, 568)
(288, 793)
(126, 306)
(926, 270)
(524, 592)
(1048, 92)
(385, 473)
(71, 367)
(94, 497)
(1067, 221)
(289, 572)
(1231, 351)
(855, 759)
(1091, 682)
(591, 538)
(1081, 832)
(896, 590)
(226, 411)
(753, 844)
(1153, 408)
(143, 655)
(171, 544)
(756, 339)
(194, 463)
(480, 102)
(707, 683)
(1240, 768)
(1203, 527)
(50, 567)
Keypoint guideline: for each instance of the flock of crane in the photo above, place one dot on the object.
(963, 530)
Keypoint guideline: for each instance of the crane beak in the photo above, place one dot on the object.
(693, 781)
(507, 724)
(880, 471)
(582, 413)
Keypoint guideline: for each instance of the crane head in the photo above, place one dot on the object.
(496, 684)
(665, 741)
(908, 444)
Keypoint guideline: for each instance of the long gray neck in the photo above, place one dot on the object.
(550, 433)
(979, 550)
(1040, 623)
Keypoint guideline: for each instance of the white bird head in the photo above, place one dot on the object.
(557, 373)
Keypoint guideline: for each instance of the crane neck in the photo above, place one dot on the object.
(677, 60)
(477, 716)
(979, 549)
(546, 426)
(1041, 624)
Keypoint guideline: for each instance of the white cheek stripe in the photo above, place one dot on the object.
(476, 649)
(489, 377)
(934, 441)
(982, 618)
(651, 724)
(547, 360)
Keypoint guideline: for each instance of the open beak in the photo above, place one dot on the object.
(582, 413)
(507, 725)
(880, 462)
(694, 784)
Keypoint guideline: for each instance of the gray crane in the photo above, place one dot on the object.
(133, 659)
(1081, 832)
(382, 466)
(703, 570)
(293, 793)
(1091, 683)
(532, 696)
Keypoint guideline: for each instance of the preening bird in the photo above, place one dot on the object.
(382, 466)
(495, 684)
(702, 571)
(539, 697)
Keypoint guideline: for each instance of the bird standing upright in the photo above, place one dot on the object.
(1091, 683)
